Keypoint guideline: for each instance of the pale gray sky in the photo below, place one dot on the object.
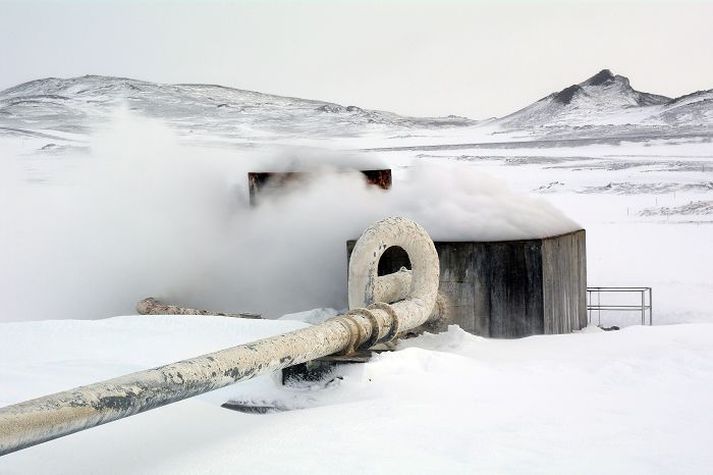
(474, 58)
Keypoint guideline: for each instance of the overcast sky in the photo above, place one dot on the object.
(474, 58)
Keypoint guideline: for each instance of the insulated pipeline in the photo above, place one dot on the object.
(39, 420)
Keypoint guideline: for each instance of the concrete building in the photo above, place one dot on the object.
(510, 289)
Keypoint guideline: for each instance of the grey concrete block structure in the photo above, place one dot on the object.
(511, 289)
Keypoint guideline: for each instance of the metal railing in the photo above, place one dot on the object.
(643, 305)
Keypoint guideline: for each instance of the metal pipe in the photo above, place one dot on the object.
(393, 287)
(151, 306)
(364, 263)
(49, 417)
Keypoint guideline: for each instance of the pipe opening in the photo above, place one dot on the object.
(392, 260)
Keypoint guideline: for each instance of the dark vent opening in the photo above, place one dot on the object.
(392, 260)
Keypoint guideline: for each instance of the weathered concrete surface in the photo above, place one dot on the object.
(510, 289)
(564, 267)
(42, 419)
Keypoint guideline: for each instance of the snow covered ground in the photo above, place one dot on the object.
(95, 219)
(635, 401)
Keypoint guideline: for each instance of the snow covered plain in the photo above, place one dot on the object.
(633, 401)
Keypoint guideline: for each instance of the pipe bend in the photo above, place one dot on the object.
(364, 265)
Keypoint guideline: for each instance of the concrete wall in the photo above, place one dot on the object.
(510, 289)
(564, 270)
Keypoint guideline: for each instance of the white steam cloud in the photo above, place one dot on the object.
(142, 215)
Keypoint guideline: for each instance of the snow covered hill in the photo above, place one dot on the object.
(695, 108)
(75, 105)
(609, 99)
(605, 105)
(600, 99)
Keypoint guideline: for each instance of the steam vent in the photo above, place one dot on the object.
(258, 181)
(509, 289)
(497, 289)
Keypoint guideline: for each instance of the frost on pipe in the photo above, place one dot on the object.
(366, 286)
(49, 417)
(415, 292)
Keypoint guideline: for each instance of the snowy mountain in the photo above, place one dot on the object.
(76, 105)
(695, 108)
(608, 99)
(603, 106)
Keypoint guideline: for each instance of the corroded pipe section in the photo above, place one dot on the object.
(151, 306)
(39, 420)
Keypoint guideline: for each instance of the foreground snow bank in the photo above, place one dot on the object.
(633, 401)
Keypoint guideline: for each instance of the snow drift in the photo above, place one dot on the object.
(617, 402)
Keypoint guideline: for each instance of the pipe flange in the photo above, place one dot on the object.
(394, 327)
(355, 334)
(375, 326)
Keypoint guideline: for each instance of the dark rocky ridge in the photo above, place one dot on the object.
(602, 77)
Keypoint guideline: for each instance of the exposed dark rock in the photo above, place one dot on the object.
(566, 95)
(332, 108)
(600, 78)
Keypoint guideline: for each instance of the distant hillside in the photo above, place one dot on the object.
(609, 99)
(605, 105)
(75, 105)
